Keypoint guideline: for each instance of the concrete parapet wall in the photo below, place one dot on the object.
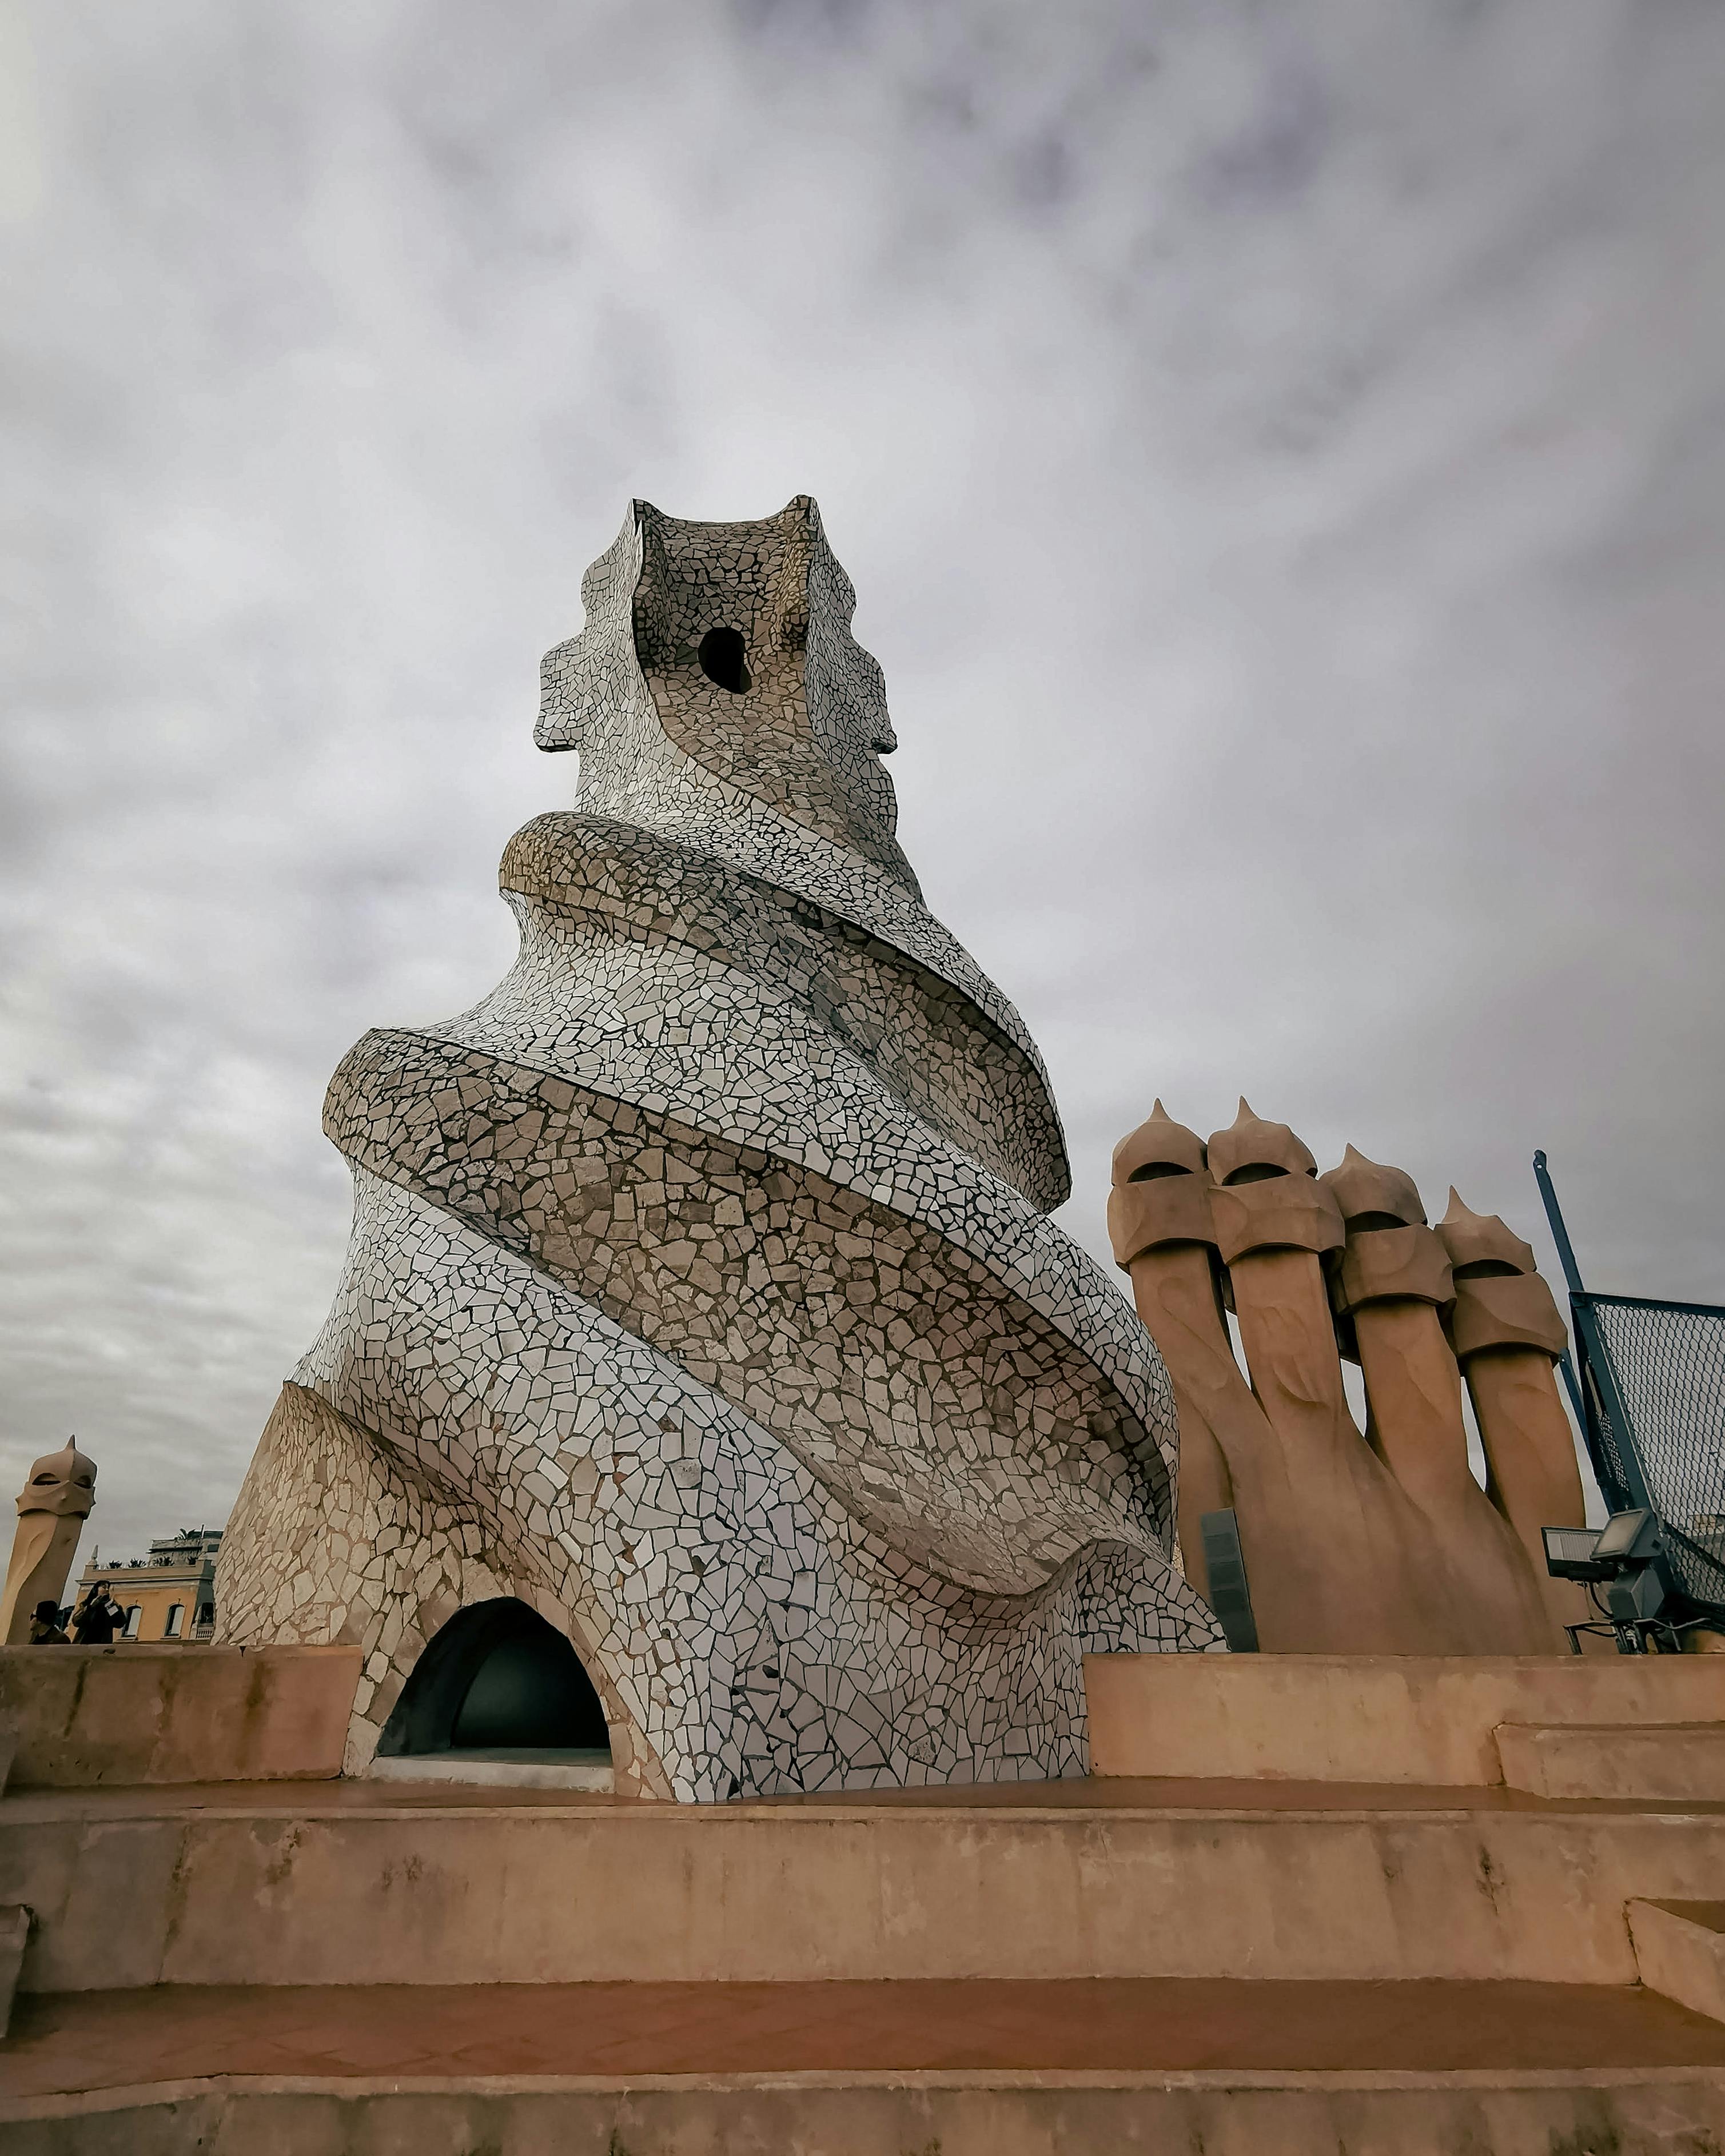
(1369, 1718)
(127, 1714)
(318, 1896)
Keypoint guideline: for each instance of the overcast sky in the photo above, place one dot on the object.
(1279, 450)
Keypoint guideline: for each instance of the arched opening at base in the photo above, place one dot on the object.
(497, 1681)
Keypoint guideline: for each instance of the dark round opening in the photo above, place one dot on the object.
(497, 1677)
(724, 658)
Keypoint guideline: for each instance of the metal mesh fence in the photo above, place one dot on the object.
(1666, 1361)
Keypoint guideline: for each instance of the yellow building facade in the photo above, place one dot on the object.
(170, 1594)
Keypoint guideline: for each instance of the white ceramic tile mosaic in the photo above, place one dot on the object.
(700, 1289)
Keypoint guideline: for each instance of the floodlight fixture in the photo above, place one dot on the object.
(1572, 1554)
(1624, 1557)
(1628, 1539)
(1627, 1542)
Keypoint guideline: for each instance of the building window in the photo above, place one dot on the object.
(176, 1619)
(134, 1617)
(206, 1613)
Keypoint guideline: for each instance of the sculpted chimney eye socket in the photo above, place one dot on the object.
(722, 654)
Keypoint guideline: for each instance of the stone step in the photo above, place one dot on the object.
(1677, 1762)
(1380, 1718)
(349, 1882)
(66, 2041)
(1679, 1950)
(972, 2068)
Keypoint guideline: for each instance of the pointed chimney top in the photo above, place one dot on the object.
(1158, 1147)
(1251, 1144)
(62, 1482)
(1365, 1188)
(1480, 1243)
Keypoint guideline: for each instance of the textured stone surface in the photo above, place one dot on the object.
(701, 1292)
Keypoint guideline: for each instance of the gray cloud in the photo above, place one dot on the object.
(1279, 453)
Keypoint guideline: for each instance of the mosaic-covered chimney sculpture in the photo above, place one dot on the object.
(701, 1293)
(1379, 1543)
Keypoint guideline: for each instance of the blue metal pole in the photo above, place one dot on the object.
(1559, 1233)
(1560, 1236)
(1595, 1357)
(1572, 1387)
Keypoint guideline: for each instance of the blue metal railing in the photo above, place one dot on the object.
(1650, 1394)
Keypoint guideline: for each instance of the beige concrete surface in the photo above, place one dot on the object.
(1679, 1949)
(596, 1892)
(476, 1771)
(181, 1713)
(1680, 1762)
(1661, 2113)
(1369, 1718)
